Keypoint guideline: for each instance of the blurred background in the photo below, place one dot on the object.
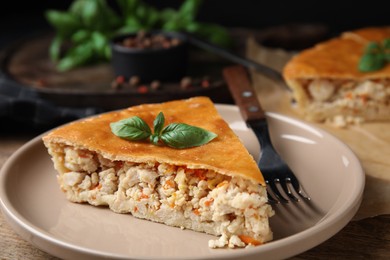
(290, 25)
(18, 18)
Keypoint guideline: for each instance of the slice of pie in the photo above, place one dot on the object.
(328, 85)
(215, 188)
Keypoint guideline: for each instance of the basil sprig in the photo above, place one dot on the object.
(175, 135)
(375, 56)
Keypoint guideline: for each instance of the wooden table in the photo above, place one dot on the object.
(364, 239)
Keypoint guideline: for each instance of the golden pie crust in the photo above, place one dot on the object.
(338, 58)
(225, 154)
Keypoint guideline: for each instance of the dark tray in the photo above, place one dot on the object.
(26, 63)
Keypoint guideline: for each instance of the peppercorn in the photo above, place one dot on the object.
(142, 40)
(134, 81)
(41, 83)
(155, 85)
(185, 82)
(205, 83)
(115, 85)
(120, 79)
(118, 82)
(175, 42)
(142, 89)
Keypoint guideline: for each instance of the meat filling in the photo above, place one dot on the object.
(356, 101)
(230, 207)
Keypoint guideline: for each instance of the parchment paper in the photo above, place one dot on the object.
(369, 141)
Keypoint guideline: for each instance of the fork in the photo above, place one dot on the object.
(278, 176)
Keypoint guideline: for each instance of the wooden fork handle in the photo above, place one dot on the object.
(243, 93)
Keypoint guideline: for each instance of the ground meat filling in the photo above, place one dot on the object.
(198, 199)
(330, 91)
(357, 101)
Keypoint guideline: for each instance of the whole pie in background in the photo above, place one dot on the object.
(329, 85)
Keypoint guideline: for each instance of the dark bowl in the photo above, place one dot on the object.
(163, 64)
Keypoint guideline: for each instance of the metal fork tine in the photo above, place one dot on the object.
(271, 197)
(287, 189)
(297, 187)
(276, 191)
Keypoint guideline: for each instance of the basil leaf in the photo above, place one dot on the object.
(65, 23)
(386, 47)
(75, 56)
(386, 44)
(127, 7)
(80, 36)
(55, 48)
(375, 56)
(373, 47)
(172, 25)
(133, 22)
(154, 139)
(87, 10)
(214, 33)
(371, 62)
(100, 42)
(159, 123)
(167, 14)
(107, 52)
(133, 128)
(189, 9)
(90, 13)
(178, 135)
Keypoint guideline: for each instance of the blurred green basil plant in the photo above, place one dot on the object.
(83, 32)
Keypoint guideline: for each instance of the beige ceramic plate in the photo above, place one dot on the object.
(36, 208)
